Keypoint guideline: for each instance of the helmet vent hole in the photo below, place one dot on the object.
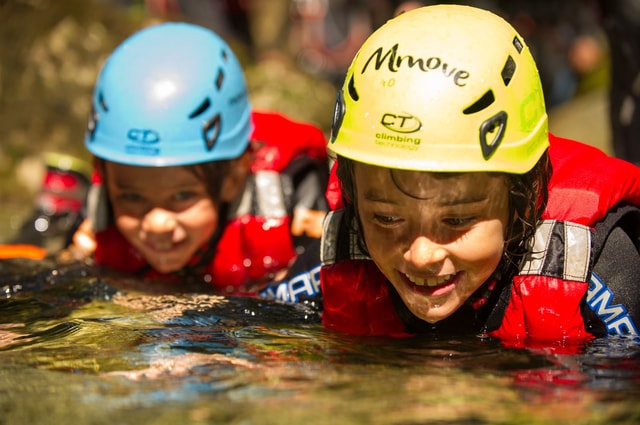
(200, 109)
(102, 103)
(352, 90)
(508, 70)
(219, 79)
(484, 102)
(517, 43)
(211, 131)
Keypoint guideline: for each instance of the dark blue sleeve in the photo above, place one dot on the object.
(302, 282)
(614, 289)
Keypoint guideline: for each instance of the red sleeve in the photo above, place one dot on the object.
(284, 140)
(586, 182)
(114, 251)
(250, 250)
(356, 300)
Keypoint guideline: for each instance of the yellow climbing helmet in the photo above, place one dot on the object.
(443, 88)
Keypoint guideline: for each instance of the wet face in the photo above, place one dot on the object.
(436, 237)
(164, 212)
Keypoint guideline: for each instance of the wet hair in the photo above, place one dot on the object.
(528, 195)
(212, 174)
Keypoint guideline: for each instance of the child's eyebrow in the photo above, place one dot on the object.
(123, 184)
(375, 195)
(471, 198)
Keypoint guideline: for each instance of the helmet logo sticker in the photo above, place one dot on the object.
(211, 131)
(488, 127)
(395, 62)
(145, 137)
(144, 142)
(401, 123)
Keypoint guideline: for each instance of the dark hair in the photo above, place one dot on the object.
(528, 195)
(212, 174)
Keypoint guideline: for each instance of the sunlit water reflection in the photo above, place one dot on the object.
(78, 346)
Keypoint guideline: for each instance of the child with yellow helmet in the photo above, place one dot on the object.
(456, 210)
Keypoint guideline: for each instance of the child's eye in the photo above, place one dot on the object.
(386, 219)
(459, 221)
(185, 195)
(130, 197)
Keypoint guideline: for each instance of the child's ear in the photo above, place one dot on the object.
(236, 177)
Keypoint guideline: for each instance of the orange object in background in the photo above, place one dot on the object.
(22, 251)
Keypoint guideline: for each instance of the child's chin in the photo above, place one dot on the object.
(167, 267)
(432, 310)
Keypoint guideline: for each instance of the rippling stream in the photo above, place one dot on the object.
(79, 346)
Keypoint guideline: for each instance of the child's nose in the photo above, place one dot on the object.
(424, 253)
(159, 220)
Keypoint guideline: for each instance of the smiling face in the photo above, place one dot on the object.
(166, 213)
(436, 237)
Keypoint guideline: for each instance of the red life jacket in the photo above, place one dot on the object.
(256, 242)
(545, 299)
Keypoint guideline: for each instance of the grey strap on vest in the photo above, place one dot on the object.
(333, 236)
(561, 250)
(264, 195)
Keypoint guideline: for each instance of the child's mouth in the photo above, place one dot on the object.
(162, 247)
(432, 286)
(430, 281)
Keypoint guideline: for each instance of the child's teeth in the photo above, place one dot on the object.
(432, 281)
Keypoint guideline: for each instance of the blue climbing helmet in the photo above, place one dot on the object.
(171, 94)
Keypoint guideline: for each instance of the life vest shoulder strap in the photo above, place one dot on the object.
(561, 250)
(340, 240)
(265, 195)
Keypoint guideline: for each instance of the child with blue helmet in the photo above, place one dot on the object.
(189, 181)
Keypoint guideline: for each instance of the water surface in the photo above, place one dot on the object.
(79, 346)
